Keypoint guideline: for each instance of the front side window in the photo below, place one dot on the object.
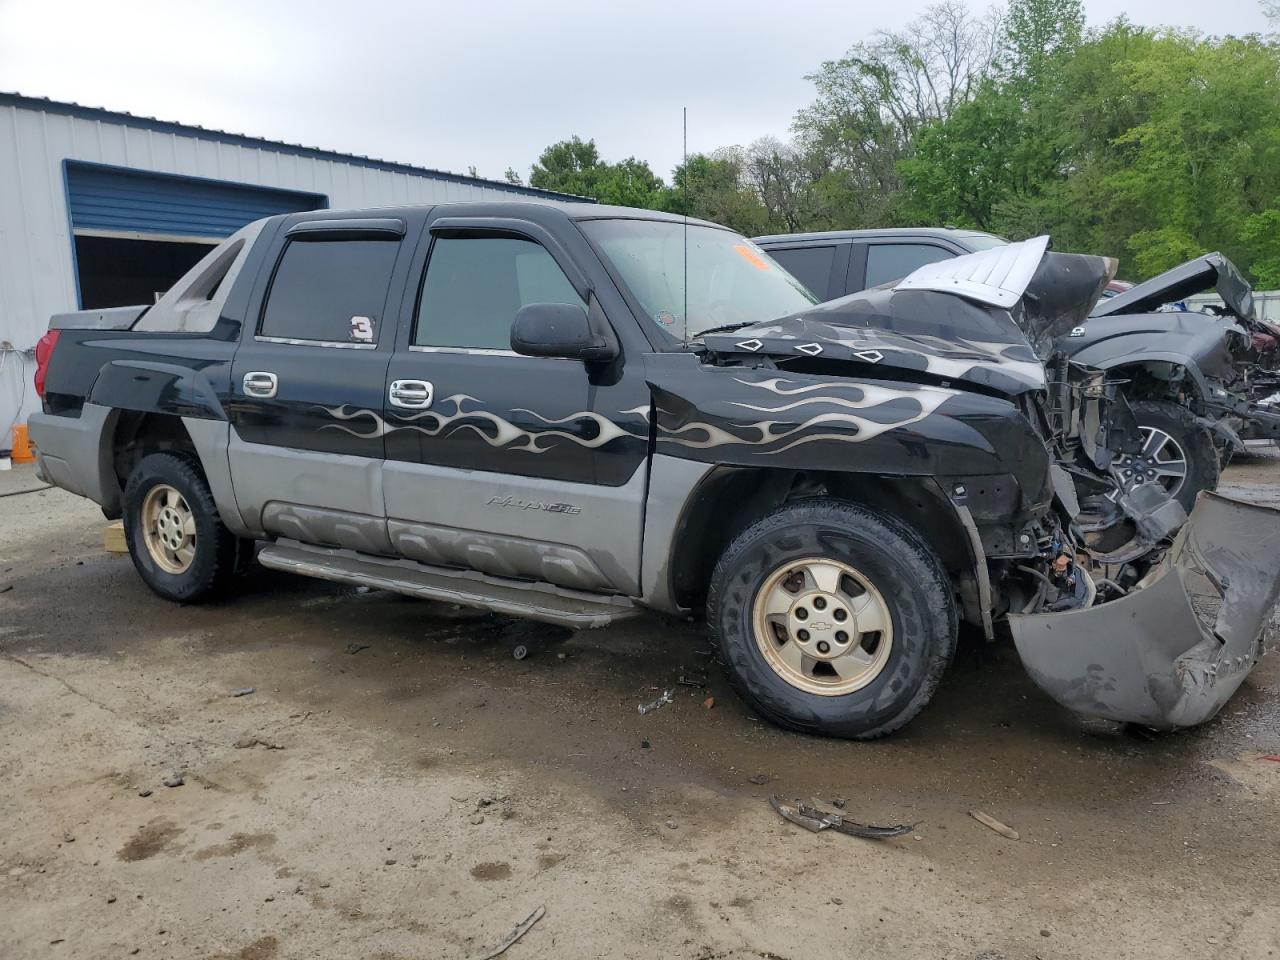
(893, 261)
(731, 281)
(333, 291)
(475, 286)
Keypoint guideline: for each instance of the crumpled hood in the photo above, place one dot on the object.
(1212, 271)
(987, 318)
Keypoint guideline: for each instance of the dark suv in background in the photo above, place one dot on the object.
(839, 262)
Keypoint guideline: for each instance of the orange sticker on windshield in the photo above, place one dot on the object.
(749, 255)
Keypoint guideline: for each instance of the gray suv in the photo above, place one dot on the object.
(839, 262)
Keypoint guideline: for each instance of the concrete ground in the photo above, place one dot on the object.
(398, 786)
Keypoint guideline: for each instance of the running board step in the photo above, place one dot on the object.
(534, 601)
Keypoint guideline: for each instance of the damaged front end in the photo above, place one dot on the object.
(1113, 620)
(1175, 646)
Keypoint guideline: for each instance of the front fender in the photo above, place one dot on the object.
(762, 417)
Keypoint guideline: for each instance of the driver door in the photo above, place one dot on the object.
(514, 466)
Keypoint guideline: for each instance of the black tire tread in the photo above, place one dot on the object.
(912, 551)
(215, 566)
(1204, 464)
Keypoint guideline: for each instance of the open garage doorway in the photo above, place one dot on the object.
(136, 232)
(119, 272)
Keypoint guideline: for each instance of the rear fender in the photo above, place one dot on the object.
(151, 386)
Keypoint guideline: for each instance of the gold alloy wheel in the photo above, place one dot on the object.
(822, 626)
(168, 529)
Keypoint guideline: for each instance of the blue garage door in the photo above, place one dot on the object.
(112, 200)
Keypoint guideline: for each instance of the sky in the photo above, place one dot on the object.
(483, 84)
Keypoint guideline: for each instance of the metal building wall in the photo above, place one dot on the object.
(36, 269)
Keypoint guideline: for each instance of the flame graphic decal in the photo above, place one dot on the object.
(493, 429)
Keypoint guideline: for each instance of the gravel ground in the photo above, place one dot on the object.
(398, 786)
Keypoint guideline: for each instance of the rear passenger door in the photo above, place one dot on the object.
(516, 466)
(882, 261)
(820, 267)
(306, 446)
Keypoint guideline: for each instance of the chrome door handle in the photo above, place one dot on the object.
(410, 394)
(259, 383)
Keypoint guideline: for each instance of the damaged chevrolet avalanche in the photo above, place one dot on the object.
(571, 413)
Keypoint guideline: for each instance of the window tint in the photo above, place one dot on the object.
(475, 286)
(330, 290)
(810, 265)
(893, 261)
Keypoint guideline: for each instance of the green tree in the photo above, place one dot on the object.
(574, 166)
(872, 103)
(711, 187)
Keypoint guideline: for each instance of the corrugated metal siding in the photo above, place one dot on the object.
(129, 201)
(36, 270)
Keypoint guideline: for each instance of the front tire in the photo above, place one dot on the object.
(833, 619)
(1177, 451)
(177, 541)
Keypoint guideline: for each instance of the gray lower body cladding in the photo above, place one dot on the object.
(1173, 652)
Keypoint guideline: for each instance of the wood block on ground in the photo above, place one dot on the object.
(113, 538)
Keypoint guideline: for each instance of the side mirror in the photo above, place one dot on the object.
(561, 330)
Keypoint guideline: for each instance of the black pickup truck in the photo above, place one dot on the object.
(569, 413)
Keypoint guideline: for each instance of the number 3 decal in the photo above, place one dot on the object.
(362, 329)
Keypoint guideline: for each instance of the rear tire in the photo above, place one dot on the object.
(177, 541)
(1188, 441)
(771, 612)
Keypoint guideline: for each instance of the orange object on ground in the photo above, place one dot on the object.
(22, 452)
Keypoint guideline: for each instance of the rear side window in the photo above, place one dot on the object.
(330, 290)
(475, 286)
(810, 265)
(893, 261)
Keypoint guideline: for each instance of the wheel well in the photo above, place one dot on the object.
(136, 435)
(731, 499)
(1154, 380)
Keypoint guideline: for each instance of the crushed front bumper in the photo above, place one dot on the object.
(1174, 650)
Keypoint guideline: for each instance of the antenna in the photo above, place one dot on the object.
(684, 119)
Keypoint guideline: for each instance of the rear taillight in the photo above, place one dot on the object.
(44, 351)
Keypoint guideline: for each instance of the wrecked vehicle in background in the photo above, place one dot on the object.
(1202, 383)
(568, 413)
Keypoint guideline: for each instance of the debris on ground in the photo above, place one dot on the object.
(645, 744)
(760, 779)
(173, 780)
(521, 929)
(144, 793)
(662, 701)
(691, 680)
(248, 743)
(815, 820)
(992, 823)
(354, 648)
(243, 692)
(708, 703)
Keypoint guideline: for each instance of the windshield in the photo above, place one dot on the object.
(732, 282)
